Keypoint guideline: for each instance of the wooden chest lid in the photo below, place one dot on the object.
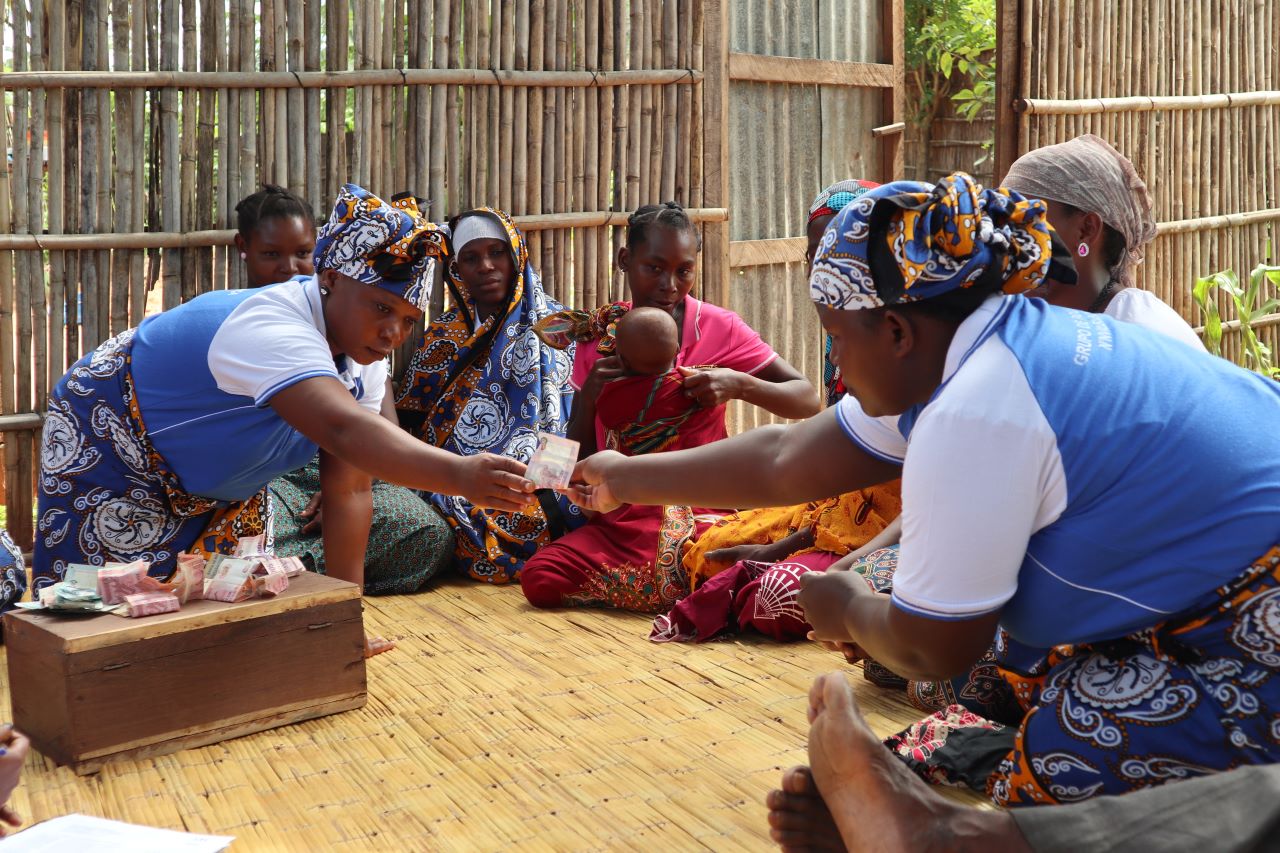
(71, 634)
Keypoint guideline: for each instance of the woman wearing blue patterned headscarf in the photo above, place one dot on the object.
(1054, 466)
(164, 438)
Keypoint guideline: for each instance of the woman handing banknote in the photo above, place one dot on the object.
(164, 438)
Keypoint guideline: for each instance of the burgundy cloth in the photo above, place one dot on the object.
(749, 594)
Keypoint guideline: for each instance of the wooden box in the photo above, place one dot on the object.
(91, 689)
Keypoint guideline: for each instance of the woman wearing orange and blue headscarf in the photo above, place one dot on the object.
(164, 438)
(1055, 465)
(482, 382)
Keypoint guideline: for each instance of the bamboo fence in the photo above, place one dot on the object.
(134, 128)
(1189, 92)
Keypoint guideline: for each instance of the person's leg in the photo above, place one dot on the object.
(409, 543)
(872, 801)
(1234, 811)
(553, 574)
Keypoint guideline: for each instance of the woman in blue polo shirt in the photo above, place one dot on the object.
(1086, 484)
(164, 438)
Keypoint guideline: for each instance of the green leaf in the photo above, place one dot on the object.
(1200, 292)
(964, 66)
(944, 62)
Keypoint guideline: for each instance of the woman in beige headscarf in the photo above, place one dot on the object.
(1101, 208)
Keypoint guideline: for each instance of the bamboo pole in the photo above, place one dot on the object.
(170, 194)
(103, 156)
(208, 206)
(90, 175)
(58, 361)
(594, 133)
(295, 33)
(336, 103)
(607, 198)
(187, 239)
(70, 187)
(453, 175)
(563, 124)
(191, 273)
(44, 376)
(520, 154)
(653, 58)
(10, 397)
(421, 170)
(280, 131)
(439, 59)
(484, 123)
(669, 33)
(19, 477)
(266, 63)
(123, 174)
(361, 96)
(229, 134)
(577, 103)
(546, 255)
(250, 174)
(310, 30)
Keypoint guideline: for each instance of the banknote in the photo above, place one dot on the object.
(249, 546)
(115, 583)
(552, 463)
(150, 603)
(232, 579)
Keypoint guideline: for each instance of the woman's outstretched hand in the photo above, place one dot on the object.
(590, 487)
(494, 482)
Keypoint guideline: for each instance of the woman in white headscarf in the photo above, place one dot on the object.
(1101, 209)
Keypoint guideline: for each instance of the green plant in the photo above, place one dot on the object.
(1256, 355)
(944, 37)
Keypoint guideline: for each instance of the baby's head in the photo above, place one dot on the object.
(647, 341)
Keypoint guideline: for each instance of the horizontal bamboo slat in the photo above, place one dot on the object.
(1144, 103)
(345, 79)
(758, 253)
(192, 239)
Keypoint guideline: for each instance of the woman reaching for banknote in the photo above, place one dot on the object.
(164, 438)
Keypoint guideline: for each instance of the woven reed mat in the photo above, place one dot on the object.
(496, 726)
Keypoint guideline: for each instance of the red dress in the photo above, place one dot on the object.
(631, 558)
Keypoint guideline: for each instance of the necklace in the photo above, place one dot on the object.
(1103, 296)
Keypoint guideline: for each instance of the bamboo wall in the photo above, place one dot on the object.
(789, 138)
(144, 122)
(1190, 91)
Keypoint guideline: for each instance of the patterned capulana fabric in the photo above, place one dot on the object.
(490, 387)
(389, 245)
(106, 495)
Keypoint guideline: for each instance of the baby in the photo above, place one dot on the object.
(646, 342)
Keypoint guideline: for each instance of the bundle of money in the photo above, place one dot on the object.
(249, 546)
(232, 579)
(82, 576)
(188, 579)
(150, 603)
(115, 583)
(269, 576)
(551, 465)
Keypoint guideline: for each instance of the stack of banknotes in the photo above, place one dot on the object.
(128, 590)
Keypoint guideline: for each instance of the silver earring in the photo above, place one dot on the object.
(324, 291)
(243, 256)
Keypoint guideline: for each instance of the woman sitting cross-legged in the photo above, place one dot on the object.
(631, 557)
(482, 382)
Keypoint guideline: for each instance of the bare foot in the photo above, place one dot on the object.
(875, 801)
(377, 645)
(798, 818)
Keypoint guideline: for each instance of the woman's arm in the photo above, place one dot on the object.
(778, 388)
(324, 411)
(348, 500)
(582, 420)
(843, 609)
(770, 466)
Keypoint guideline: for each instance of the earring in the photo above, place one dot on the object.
(324, 291)
(243, 256)
(1083, 251)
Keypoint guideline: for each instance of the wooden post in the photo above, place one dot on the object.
(893, 101)
(1008, 86)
